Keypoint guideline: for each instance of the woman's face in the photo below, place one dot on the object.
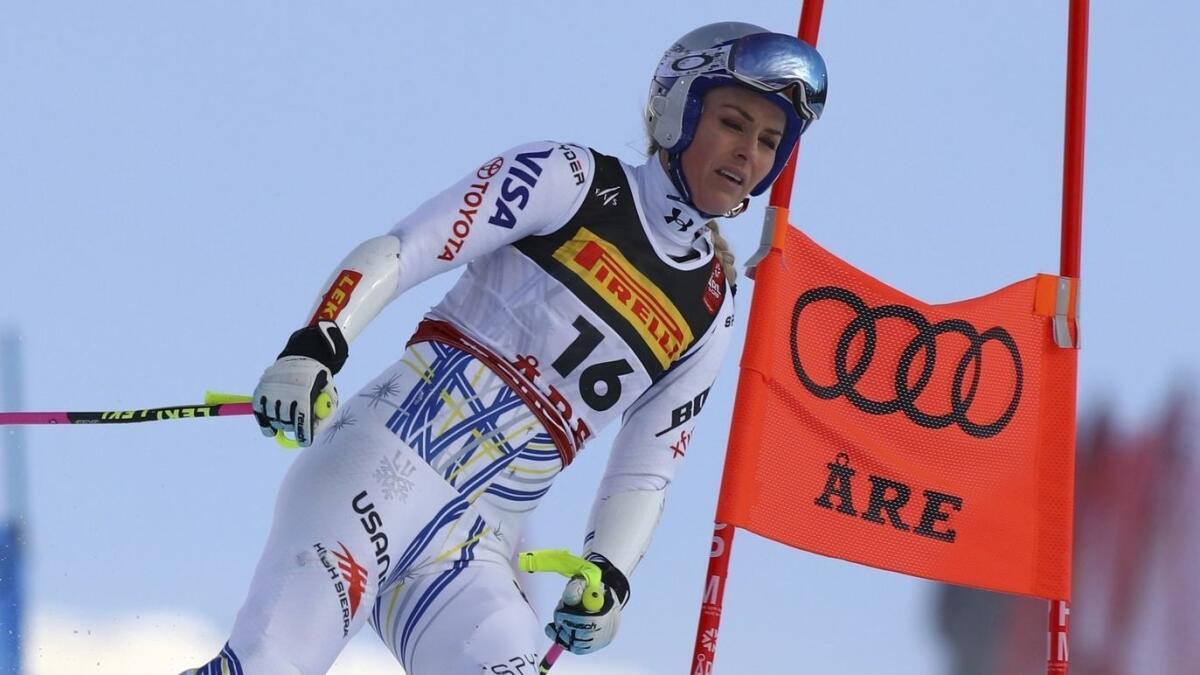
(734, 147)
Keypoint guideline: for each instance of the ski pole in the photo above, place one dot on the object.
(571, 566)
(215, 405)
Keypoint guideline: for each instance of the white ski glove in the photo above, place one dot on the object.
(580, 631)
(287, 392)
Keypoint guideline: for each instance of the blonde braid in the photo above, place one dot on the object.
(723, 252)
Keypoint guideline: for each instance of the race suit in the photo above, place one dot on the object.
(592, 292)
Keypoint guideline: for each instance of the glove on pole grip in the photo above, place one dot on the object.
(568, 565)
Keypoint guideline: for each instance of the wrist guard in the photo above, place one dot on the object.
(612, 578)
(323, 342)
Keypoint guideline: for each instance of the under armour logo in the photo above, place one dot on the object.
(674, 218)
(609, 195)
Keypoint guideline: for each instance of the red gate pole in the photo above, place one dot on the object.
(705, 648)
(1072, 235)
(1076, 110)
(1060, 615)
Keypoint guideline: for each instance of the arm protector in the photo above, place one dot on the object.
(367, 279)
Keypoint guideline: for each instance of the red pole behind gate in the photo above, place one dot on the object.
(1072, 236)
(705, 648)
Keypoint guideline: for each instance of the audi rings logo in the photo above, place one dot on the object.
(968, 371)
(490, 168)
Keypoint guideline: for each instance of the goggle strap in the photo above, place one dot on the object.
(716, 59)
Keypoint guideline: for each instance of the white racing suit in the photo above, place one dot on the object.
(592, 293)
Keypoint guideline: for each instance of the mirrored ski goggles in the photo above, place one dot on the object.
(770, 62)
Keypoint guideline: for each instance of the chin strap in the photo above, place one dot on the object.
(739, 209)
(675, 173)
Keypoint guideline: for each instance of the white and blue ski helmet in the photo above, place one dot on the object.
(786, 69)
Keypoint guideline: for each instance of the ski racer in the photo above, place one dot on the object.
(594, 291)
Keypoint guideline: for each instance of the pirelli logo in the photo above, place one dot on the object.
(656, 319)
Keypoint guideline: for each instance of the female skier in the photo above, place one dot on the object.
(595, 291)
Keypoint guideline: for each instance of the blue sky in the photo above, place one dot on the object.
(177, 180)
